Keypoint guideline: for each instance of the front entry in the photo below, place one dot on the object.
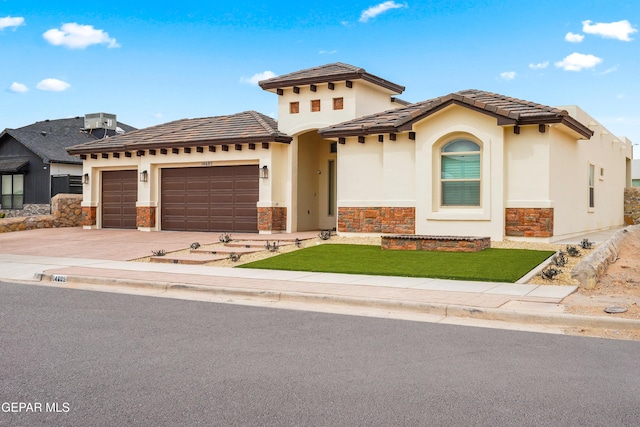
(317, 183)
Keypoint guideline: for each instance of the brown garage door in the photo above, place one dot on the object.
(221, 198)
(119, 196)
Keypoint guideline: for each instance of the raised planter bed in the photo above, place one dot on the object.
(414, 242)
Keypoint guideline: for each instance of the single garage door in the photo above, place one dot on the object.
(221, 198)
(119, 196)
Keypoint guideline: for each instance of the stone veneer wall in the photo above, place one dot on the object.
(27, 210)
(529, 222)
(272, 219)
(89, 215)
(632, 205)
(436, 243)
(65, 212)
(377, 220)
(146, 216)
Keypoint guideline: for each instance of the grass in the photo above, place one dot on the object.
(493, 265)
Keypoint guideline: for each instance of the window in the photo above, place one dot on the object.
(12, 191)
(460, 173)
(294, 107)
(338, 103)
(315, 105)
(592, 173)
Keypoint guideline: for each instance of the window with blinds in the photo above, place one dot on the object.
(460, 173)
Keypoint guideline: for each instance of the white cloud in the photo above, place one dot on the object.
(539, 66)
(508, 75)
(620, 30)
(374, 11)
(53, 85)
(327, 52)
(18, 88)
(573, 38)
(578, 61)
(76, 36)
(11, 22)
(253, 80)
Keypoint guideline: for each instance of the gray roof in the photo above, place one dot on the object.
(506, 110)
(49, 139)
(337, 71)
(245, 127)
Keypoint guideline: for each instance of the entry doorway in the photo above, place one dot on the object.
(317, 183)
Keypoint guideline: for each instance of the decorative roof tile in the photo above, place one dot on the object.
(245, 127)
(507, 110)
(337, 71)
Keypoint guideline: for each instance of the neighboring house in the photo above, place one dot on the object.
(635, 173)
(34, 163)
(346, 154)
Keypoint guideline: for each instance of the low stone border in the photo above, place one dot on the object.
(416, 242)
(587, 271)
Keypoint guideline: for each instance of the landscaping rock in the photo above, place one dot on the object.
(592, 266)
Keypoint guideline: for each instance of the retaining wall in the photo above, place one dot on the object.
(65, 212)
(591, 267)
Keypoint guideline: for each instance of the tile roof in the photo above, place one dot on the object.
(245, 127)
(49, 139)
(337, 71)
(507, 111)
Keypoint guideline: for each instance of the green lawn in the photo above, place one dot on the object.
(494, 265)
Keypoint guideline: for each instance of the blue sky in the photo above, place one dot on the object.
(153, 62)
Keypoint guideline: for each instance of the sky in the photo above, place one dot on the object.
(154, 62)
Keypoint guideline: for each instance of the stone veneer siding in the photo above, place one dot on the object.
(632, 205)
(272, 219)
(65, 212)
(377, 220)
(146, 216)
(436, 243)
(529, 222)
(27, 210)
(89, 215)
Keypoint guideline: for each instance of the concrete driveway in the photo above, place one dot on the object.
(109, 244)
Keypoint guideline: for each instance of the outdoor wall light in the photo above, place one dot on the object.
(264, 172)
(85, 178)
(144, 176)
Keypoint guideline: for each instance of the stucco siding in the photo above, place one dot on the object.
(570, 179)
(487, 220)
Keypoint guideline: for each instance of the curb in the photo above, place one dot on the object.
(445, 310)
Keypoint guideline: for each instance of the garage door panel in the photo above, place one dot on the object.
(119, 197)
(222, 198)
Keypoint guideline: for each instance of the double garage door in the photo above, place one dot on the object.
(221, 198)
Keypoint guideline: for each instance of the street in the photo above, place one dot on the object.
(72, 357)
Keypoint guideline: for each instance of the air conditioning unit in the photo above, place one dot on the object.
(100, 121)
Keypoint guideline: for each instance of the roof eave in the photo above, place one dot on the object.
(178, 144)
(395, 88)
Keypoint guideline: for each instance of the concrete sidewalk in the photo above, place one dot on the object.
(507, 302)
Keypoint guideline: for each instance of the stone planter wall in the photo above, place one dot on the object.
(436, 243)
(65, 212)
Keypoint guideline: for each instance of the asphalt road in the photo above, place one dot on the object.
(91, 358)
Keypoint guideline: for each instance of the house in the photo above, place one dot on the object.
(347, 154)
(34, 163)
(635, 173)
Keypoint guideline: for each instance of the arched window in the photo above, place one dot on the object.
(460, 173)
